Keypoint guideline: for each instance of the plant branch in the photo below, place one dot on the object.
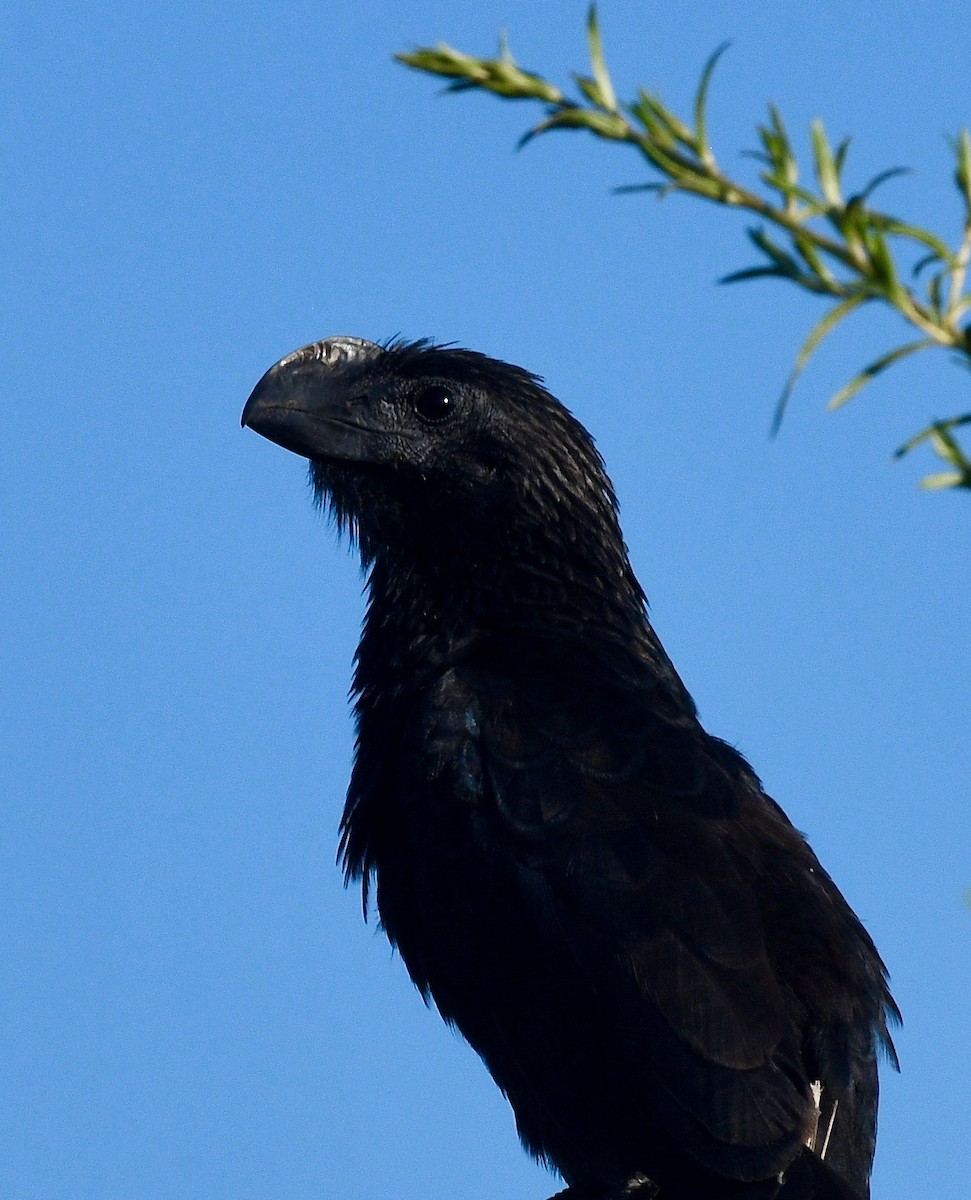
(833, 245)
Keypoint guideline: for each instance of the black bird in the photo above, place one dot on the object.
(657, 972)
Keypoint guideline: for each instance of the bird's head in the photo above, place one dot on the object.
(412, 443)
(476, 498)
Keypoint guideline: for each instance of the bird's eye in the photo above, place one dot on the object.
(435, 402)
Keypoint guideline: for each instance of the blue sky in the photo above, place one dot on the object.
(191, 1006)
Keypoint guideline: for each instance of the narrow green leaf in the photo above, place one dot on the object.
(652, 115)
(877, 180)
(439, 60)
(956, 311)
(934, 428)
(684, 175)
(701, 102)
(754, 273)
(677, 127)
(945, 446)
(505, 51)
(874, 369)
(591, 89)
(811, 256)
(778, 149)
(922, 263)
(609, 101)
(779, 128)
(602, 124)
(672, 126)
(627, 189)
(786, 263)
(884, 267)
(788, 189)
(944, 479)
(839, 158)
(934, 293)
(640, 109)
(822, 327)
(660, 122)
(915, 233)
(962, 174)
(826, 169)
(645, 108)
(699, 185)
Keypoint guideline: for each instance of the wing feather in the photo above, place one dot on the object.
(632, 825)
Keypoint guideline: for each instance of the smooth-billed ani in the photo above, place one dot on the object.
(648, 957)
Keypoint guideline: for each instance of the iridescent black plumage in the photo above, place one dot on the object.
(648, 957)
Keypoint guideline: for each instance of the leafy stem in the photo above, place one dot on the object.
(833, 244)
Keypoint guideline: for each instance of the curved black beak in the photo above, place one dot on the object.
(301, 403)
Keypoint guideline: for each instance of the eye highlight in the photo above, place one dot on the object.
(435, 403)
